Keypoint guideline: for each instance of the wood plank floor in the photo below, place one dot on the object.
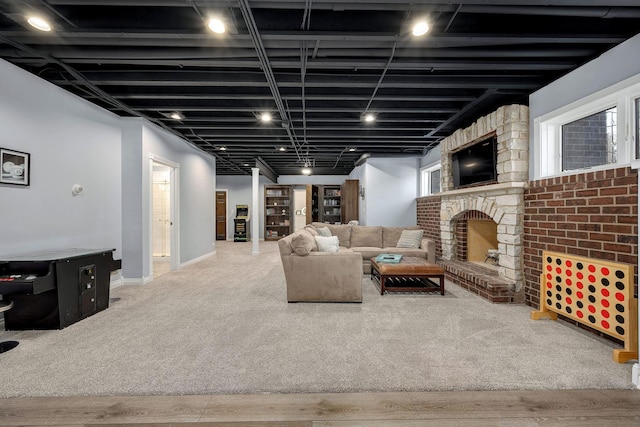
(443, 409)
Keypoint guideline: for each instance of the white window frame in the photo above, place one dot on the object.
(425, 179)
(548, 128)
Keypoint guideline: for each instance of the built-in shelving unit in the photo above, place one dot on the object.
(278, 218)
(331, 210)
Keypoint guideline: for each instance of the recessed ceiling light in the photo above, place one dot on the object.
(265, 117)
(216, 25)
(176, 116)
(306, 171)
(282, 148)
(352, 149)
(223, 148)
(420, 28)
(369, 118)
(245, 165)
(39, 23)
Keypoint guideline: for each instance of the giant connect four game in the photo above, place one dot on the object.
(593, 292)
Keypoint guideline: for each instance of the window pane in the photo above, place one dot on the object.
(435, 181)
(590, 141)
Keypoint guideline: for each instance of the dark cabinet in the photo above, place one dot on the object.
(52, 290)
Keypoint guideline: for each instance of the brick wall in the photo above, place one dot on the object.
(462, 230)
(428, 218)
(584, 142)
(593, 214)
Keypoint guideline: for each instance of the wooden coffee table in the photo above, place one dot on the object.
(411, 274)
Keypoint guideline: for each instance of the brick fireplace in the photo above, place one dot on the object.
(502, 279)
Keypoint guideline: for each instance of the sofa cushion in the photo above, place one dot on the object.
(327, 244)
(311, 229)
(369, 236)
(303, 242)
(343, 232)
(410, 239)
(368, 252)
(391, 235)
(323, 231)
(417, 252)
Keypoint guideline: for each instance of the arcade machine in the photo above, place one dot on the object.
(241, 224)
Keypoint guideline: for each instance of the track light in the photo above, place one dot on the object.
(216, 25)
(420, 28)
(39, 23)
(265, 117)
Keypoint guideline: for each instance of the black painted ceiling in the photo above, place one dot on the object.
(316, 65)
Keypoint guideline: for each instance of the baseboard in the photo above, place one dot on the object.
(144, 280)
(137, 280)
(115, 283)
(196, 260)
(635, 375)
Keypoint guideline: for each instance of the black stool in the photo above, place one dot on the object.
(6, 345)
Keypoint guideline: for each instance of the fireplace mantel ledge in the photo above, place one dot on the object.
(491, 188)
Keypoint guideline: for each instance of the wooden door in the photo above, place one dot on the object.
(221, 215)
(349, 200)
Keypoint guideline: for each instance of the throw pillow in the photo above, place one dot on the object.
(327, 244)
(410, 239)
(323, 231)
(303, 243)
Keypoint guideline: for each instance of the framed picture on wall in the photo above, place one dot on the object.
(15, 167)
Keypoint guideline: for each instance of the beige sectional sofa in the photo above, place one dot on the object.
(315, 275)
(371, 241)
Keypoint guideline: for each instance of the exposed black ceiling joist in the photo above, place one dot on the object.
(316, 66)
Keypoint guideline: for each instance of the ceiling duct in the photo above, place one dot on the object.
(362, 159)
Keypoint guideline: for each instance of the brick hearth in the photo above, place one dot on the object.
(481, 281)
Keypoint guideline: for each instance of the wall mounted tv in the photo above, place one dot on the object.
(475, 164)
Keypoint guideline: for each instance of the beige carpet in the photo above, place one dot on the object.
(224, 326)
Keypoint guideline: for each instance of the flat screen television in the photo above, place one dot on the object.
(475, 164)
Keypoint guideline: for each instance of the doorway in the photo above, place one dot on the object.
(221, 215)
(300, 207)
(164, 252)
(161, 218)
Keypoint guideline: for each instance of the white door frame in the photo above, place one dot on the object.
(174, 202)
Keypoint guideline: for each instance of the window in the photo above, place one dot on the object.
(597, 132)
(590, 141)
(637, 127)
(430, 180)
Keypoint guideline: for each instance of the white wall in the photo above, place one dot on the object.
(613, 66)
(432, 157)
(70, 142)
(391, 189)
(197, 187)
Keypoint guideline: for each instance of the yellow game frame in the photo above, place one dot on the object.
(561, 268)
